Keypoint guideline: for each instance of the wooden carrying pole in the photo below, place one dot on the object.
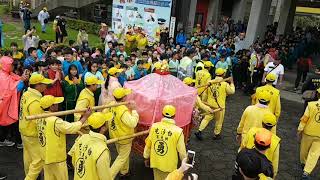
(110, 141)
(63, 113)
(208, 113)
(214, 82)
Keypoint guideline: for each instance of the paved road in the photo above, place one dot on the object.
(214, 159)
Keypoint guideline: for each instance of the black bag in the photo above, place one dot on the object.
(46, 21)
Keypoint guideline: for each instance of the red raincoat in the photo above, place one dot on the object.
(9, 99)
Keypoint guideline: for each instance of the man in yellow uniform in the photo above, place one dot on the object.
(86, 97)
(309, 129)
(217, 94)
(52, 138)
(199, 104)
(274, 104)
(164, 143)
(253, 115)
(90, 154)
(123, 124)
(272, 153)
(30, 105)
(202, 78)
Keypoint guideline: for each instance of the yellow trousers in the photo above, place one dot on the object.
(159, 175)
(31, 157)
(309, 152)
(56, 171)
(121, 164)
(219, 118)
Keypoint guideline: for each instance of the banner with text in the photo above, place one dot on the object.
(150, 15)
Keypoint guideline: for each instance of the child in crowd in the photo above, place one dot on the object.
(40, 67)
(139, 71)
(54, 89)
(31, 59)
(16, 54)
(69, 59)
(129, 70)
(123, 77)
(93, 67)
(42, 48)
(72, 86)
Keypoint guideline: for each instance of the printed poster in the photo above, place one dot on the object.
(150, 15)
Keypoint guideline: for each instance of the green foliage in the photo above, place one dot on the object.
(307, 21)
(91, 28)
(4, 9)
(13, 32)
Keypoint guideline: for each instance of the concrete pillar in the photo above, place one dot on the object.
(214, 12)
(191, 16)
(277, 13)
(257, 21)
(287, 13)
(238, 10)
(272, 11)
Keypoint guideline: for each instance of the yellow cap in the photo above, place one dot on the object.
(271, 77)
(169, 111)
(91, 80)
(269, 120)
(48, 100)
(114, 70)
(263, 96)
(208, 64)
(45, 8)
(220, 71)
(157, 65)
(98, 119)
(121, 92)
(39, 79)
(188, 81)
(263, 137)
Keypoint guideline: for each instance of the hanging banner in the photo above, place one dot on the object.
(150, 15)
(172, 26)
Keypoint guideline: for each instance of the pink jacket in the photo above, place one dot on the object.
(9, 99)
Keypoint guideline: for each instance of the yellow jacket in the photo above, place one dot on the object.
(91, 157)
(217, 93)
(142, 42)
(164, 143)
(275, 104)
(252, 117)
(201, 105)
(175, 175)
(29, 105)
(123, 122)
(272, 153)
(85, 100)
(310, 121)
(52, 138)
(202, 78)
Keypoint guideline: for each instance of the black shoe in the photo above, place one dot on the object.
(125, 176)
(3, 176)
(198, 135)
(305, 176)
(216, 137)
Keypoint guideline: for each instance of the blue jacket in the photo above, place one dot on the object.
(181, 39)
(139, 73)
(122, 78)
(29, 62)
(66, 65)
